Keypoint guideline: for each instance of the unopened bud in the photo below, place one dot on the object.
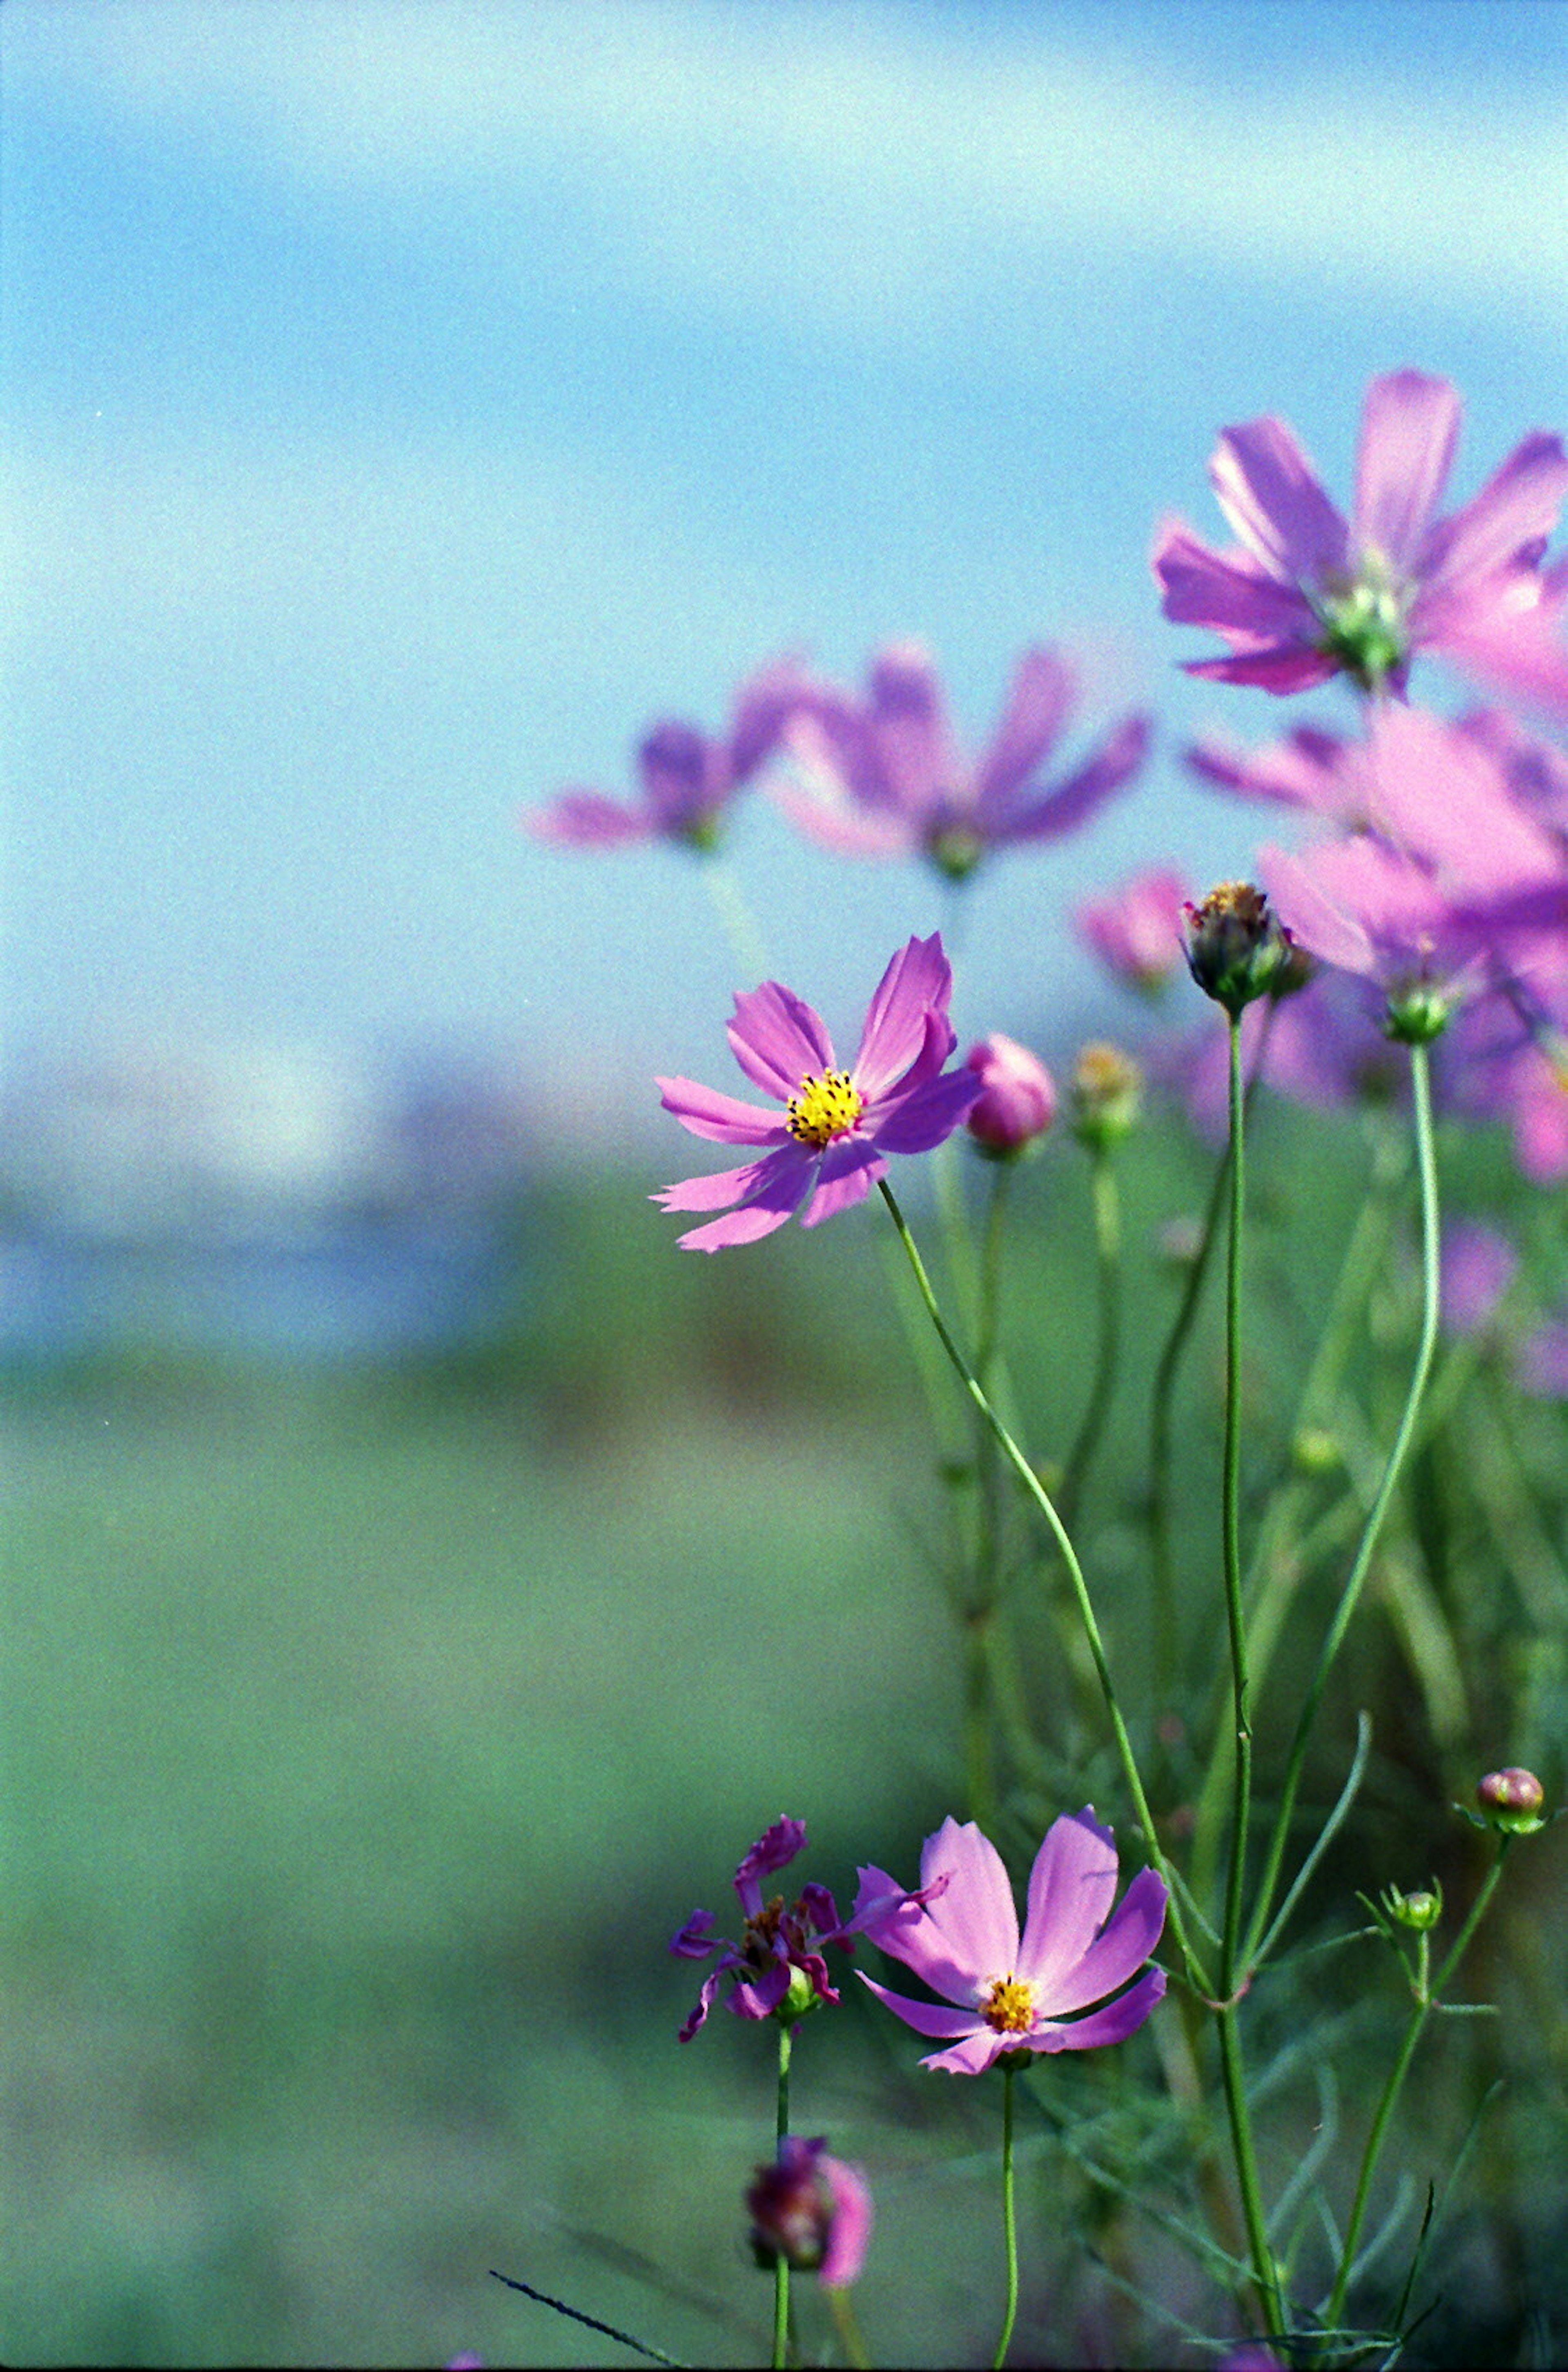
(1236, 950)
(1017, 1101)
(1421, 1908)
(1108, 1089)
(1511, 1800)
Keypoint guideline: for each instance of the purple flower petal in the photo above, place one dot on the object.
(1077, 799)
(588, 819)
(974, 2054)
(778, 1039)
(909, 731)
(1279, 670)
(724, 1119)
(724, 1187)
(919, 979)
(976, 1920)
(685, 777)
(926, 1118)
(759, 1996)
(705, 2002)
(775, 1849)
(1038, 703)
(1129, 1937)
(926, 2017)
(693, 1943)
(849, 1169)
(1409, 426)
(850, 2228)
(1518, 505)
(1114, 2023)
(1072, 1888)
(791, 1170)
(1227, 591)
(1272, 497)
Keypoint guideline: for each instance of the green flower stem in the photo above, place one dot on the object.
(736, 918)
(1232, 2071)
(1009, 2219)
(780, 2263)
(1427, 2000)
(848, 2330)
(1042, 1500)
(981, 1612)
(1426, 1163)
(1107, 1205)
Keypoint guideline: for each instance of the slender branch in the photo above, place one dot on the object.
(1009, 2219)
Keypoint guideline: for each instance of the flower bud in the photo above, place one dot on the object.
(1108, 1089)
(1421, 1908)
(1316, 1450)
(1236, 950)
(1017, 1101)
(811, 2210)
(1511, 1800)
(1418, 1013)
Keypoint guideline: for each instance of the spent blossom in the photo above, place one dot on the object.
(687, 777)
(883, 775)
(837, 1127)
(812, 2210)
(776, 1961)
(1306, 593)
(1011, 1995)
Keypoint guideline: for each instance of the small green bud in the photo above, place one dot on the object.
(1107, 1092)
(1236, 950)
(801, 1998)
(1417, 1015)
(1315, 1450)
(955, 852)
(1421, 1908)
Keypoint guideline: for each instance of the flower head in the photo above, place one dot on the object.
(884, 776)
(837, 1126)
(1011, 1995)
(1306, 593)
(812, 2210)
(1017, 1101)
(1512, 1800)
(687, 777)
(779, 1970)
(1136, 931)
(1236, 950)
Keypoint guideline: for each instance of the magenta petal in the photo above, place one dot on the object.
(775, 1849)
(1275, 506)
(974, 2054)
(1037, 708)
(693, 1942)
(778, 1039)
(1518, 505)
(1114, 2023)
(719, 1190)
(1282, 671)
(907, 730)
(1410, 425)
(588, 819)
(918, 979)
(927, 1117)
(1313, 917)
(976, 1919)
(851, 2227)
(724, 1119)
(849, 1170)
(1131, 1934)
(926, 2017)
(1074, 801)
(704, 2001)
(792, 1171)
(759, 1998)
(1072, 1888)
(1227, 591)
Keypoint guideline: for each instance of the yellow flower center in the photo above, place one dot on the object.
(827, 1106)
(1009, 2006)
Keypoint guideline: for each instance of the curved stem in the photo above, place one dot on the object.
(1420, 1084)
(1041, 1499)
(736, 918)
(980, 1614)
(1427, 1999)
(1009, 2220)
(780, 2263)
(1108, 1267)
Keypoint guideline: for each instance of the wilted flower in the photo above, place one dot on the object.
(884, 775)
(688, 778)
(811, 2210)
(1107, 1094)
(1017, 1101)
(779, 1970)
(1511, 1800)
(1136, 931)
(963, 1943)
(1236, 950)
(1307, 594)
(836, 1126)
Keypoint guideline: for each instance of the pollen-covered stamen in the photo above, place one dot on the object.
(1009, 2006)
(828, 1105)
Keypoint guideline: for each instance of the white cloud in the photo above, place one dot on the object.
(866, 163)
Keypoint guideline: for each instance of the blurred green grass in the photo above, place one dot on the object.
(367, 1736)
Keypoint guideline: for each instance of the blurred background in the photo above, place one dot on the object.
(422, 1583)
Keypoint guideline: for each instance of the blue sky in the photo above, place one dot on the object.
(403, 405)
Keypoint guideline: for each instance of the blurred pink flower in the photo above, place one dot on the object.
(1017, 1101)
(1478, 1265)
(1541, 1367)
(1323, 1050)
(1307, 594)
(836, 1126)
(1136, 930)
(963, 1943)
(688, 778)
(882, 776)
(812, 2210)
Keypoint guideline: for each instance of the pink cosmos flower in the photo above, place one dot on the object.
(812, 2210)
(1017, 1101)
(1306, 594)
(885, 777)
(688, 778)
(963, 1943)
(836, 1126)
(1136, 931)
(777, 1959)
(1477, 1267)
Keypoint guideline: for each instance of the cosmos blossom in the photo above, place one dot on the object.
(836, 1126)
(883, 775)
(777, 1948)
(1009, 1996)
(688, 778)
(1306, 594)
